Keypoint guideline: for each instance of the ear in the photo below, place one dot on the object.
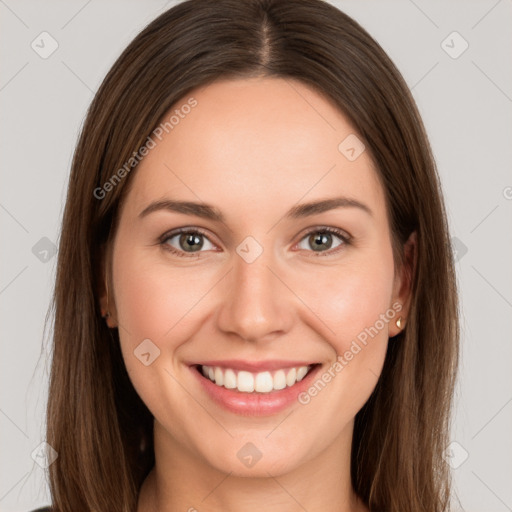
(105, 290)
(402, 287)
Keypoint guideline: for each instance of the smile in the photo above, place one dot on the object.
(254, 388)
(249, 382)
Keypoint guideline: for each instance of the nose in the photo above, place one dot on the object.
(256, 305)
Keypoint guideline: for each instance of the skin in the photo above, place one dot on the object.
(254, 148)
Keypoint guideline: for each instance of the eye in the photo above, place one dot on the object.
(323, 240)
(190, 242)
(186, 242)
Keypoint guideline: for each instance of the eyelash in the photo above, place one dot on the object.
(346, 239)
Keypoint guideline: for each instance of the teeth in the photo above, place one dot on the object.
(247, 382)
(301, 373)
(219, 377)
(279, 379)
(291, 377)
(264, 383)
(229, 379)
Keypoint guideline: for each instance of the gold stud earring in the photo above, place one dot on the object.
(399, 322)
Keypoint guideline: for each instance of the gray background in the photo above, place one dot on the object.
(466, 104)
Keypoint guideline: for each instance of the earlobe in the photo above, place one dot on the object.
(403, 294)
(106, 306)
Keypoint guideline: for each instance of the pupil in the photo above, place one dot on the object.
(190, 240)
(321, 239)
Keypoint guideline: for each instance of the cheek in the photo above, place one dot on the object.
(151, 304)
(349, 302)
(358, 305)
(352, 298)
(353, 301)
(151, 300)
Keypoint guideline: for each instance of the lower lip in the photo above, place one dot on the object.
(255, 404)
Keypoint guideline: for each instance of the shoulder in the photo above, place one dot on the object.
(44, 509)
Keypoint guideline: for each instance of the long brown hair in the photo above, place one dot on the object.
(99, 426)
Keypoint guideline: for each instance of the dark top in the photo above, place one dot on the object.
(44, 509)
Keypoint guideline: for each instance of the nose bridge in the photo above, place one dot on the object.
(254, 305)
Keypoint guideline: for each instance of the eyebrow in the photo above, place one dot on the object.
(209, 212)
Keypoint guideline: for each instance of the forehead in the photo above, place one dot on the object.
(252, 142)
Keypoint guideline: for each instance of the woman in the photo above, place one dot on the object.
(255, 300)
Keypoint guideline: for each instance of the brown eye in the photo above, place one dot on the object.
(320, 241)
(190, 242)
(323, 240)
(186, 241)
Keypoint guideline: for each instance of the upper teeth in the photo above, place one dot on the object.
(262, 382)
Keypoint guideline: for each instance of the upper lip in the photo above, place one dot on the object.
(254, 366)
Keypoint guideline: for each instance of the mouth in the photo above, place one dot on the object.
(254, 388)
(252, 382)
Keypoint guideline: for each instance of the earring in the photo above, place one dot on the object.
(399, 322)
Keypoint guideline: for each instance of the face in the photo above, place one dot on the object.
(255, 284)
